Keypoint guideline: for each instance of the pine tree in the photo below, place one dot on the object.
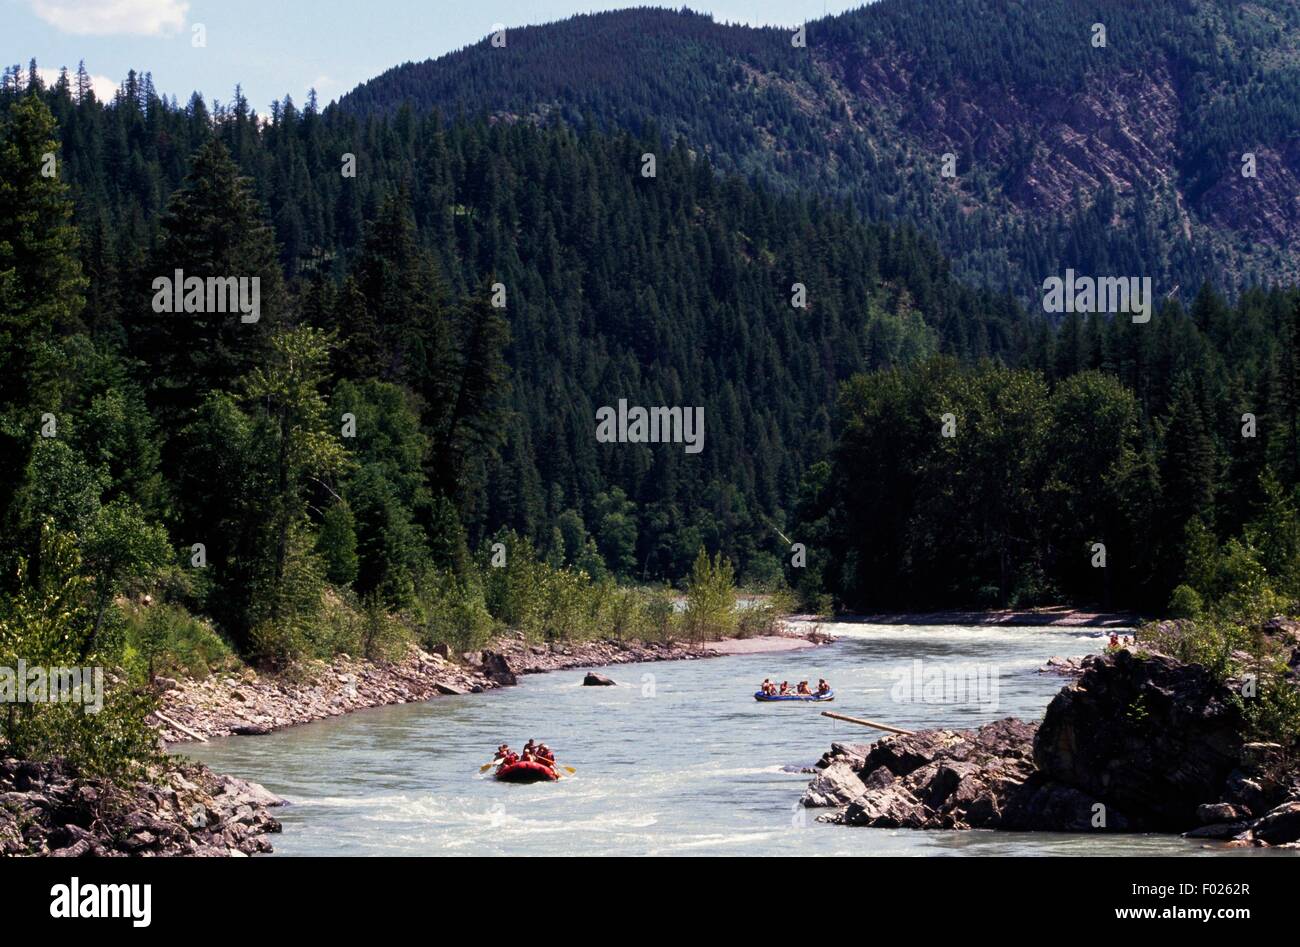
(1289, 403)
(41, 285)
(85, 89)
(337, 544)
(213, 227)
(1187, 472)
(472, 421)
(404, 296)
(286, 399)
(361, 353)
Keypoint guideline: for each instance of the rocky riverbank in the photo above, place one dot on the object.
(248, 703)
(1138, 743)
(184, 808)
(179, 809)
(527, 658)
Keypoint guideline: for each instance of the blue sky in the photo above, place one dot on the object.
(274, 47)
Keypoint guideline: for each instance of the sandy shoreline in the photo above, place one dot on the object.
(763, 644)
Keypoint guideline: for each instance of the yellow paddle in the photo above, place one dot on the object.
(487, 766)
(555, 766)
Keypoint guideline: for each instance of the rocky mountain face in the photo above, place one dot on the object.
(1127, 157)
(1138, 743)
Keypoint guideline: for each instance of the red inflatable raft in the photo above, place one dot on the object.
(522, 772)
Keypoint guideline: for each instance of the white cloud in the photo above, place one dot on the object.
(104, 87)
(109, 17)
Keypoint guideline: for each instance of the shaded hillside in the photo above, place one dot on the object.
(672, 290)
(675, 290)
(1119, 159)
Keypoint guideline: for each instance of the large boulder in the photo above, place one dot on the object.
(1136, 744)
(1040, 805)
(1286, 630)
(1281, 826)
(855, 753)
(938, 778)
(1148, 736)
(597, 680)
(836, 785)
(893, 807)
(497, 669)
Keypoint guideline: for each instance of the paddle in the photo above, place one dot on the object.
(498, 761)
(555, 766)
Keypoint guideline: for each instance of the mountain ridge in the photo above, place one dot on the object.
(1107, 160)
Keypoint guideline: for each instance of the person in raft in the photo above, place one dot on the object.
(822, 686)
(531, 753)
(767, 687)
(803, 689)
(785, 688)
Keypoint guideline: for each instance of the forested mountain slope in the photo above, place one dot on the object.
(671, 289)
(1125, 158)
(667, 290)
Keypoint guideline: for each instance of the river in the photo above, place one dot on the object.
(679, 759)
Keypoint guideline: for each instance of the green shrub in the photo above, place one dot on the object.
(336, 544)
(292, 607)
(661, 614)
(275, 645)
(168, 640)
(49, 622)
(764, 616)
(1273, 714)
(710, 599)
(383, 637)
(454, 613)
(764, 572)
(544, 602)
(1185, 603)
(1209, 642)
(623, 613)
(337, 629)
